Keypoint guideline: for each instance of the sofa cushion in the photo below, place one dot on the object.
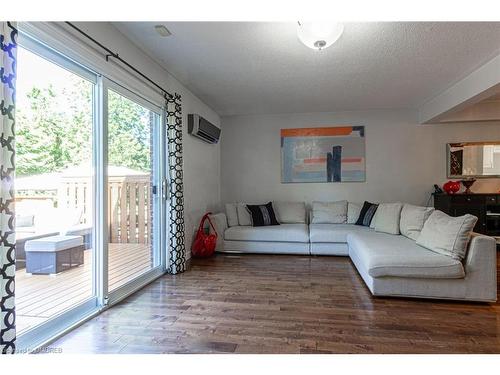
(387, 217)
(273, 233)
(413, 219)
(329, 212)
(231, 214)
(447, 235)
(367, 213)
(334, 233)
(290, 212)
(244, 217)
(384, 255)
(353, 211)
(373, 222)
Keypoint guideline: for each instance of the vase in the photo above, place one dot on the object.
(451, 187)
(467, 184)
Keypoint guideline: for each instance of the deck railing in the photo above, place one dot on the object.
(129, 207)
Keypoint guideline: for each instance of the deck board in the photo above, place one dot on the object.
(41, 297)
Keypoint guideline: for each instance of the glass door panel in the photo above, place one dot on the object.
(54, 187)
(131, 181)
(88, 198)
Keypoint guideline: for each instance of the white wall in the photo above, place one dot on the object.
(403, 158)
(201, 160)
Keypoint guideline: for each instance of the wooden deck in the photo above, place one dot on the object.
(41, 297)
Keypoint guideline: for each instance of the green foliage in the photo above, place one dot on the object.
(54, 130)
(128, 133)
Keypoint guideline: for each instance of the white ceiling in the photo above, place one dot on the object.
(261, 67)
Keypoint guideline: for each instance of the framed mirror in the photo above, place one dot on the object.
(473, 160)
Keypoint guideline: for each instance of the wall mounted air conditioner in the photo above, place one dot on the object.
(201, 128)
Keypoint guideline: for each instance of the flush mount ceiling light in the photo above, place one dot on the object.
(319, 35)
(162, 30)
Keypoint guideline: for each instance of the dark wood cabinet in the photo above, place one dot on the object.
(485, 206)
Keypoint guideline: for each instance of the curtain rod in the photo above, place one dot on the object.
(110, 53)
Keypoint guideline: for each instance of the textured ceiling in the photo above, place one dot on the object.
(261, 67)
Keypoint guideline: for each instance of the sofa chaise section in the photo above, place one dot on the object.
(396, 266)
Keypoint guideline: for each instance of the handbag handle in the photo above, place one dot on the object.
(202, 222)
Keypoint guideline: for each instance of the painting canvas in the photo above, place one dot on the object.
(329, 154)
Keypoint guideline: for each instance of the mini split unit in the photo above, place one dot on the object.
(203, 129)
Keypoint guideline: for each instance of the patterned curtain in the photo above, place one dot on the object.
(177, 247)
(8, 36)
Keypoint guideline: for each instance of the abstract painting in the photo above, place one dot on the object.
(329, 154)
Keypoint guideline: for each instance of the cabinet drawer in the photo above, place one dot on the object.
(468, 198)
(492, 199)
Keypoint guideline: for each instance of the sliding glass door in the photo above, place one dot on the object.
(90, 217)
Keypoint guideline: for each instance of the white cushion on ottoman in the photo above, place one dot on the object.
(53, 243)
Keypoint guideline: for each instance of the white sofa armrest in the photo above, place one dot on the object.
(481, 267)
(220, 223)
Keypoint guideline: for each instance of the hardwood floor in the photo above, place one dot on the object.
(282, 304)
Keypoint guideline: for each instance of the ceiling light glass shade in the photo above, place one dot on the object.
(319, 35)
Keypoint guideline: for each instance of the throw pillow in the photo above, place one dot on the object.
(329, 212)
(231, 214)
(353, 211)
(388, 217)
(413, 219)
(244, 218)
(366, 215)
(447, 235)
(262, 215)
(290, 212)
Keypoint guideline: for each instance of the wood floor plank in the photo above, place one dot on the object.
(282, 304)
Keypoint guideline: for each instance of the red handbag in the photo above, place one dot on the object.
(204, 244)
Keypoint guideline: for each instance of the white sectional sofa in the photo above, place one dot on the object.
(389, 264)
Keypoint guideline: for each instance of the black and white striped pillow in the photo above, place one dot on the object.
(262, 215)
(367, 213)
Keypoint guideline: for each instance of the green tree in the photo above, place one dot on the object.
(54, 131)
(128, 133)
